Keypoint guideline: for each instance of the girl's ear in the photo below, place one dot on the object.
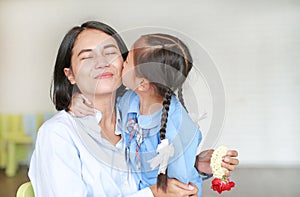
(69, 74)
(144, 85)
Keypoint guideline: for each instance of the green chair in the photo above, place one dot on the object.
(25, 190)
(13, 141)
(3, 152)
(17, 135)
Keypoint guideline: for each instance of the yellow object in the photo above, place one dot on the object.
(13, 141)
(25, 190)
(17, 135)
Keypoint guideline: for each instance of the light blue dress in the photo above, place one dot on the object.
(141, 138)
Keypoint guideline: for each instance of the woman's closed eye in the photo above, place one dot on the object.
(110, 51)
(87, 56)
(84, 58)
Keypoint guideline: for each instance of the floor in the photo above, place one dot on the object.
(252, 182)
(9, 185)
(261, 182)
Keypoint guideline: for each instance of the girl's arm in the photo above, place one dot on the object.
(80, 106)
(229, 162)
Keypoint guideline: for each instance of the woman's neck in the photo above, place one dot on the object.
(106, 105)
(150, 102)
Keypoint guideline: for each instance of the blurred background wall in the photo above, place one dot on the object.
(254, 44)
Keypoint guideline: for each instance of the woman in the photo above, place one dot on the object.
(62, 163)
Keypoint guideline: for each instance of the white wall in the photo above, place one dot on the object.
(254, 44)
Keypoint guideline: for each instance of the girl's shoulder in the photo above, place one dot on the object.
(176, 106)
(127, 98)
(178, 114)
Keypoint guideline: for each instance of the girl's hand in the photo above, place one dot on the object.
(203, 161)
(80, 106)
(175, 189)
(229, 162)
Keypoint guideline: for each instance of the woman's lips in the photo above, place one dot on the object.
(104, 75)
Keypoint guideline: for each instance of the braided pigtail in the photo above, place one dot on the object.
(165, 61)
(180, 97)
(163, 178)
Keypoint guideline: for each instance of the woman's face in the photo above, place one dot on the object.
(96, 63)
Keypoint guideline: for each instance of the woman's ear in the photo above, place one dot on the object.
(69, 74)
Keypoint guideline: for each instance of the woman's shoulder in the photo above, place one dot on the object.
(61, 117)
(57, 136)
(60, 122)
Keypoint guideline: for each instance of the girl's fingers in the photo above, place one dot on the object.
(87, 110)
(86, 101)
(227, 173)
(232, 153)
(231, 161)
(81, 106)
(82, 111)
(228, 166)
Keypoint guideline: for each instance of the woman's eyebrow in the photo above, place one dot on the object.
(89, 50)
(110, 45)
(83, 51)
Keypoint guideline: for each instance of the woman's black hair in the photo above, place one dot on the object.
(61, 89)
(165, 61)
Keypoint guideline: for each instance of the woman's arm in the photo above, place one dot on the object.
(55, 168)
(175, 189)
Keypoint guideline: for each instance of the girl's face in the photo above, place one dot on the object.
(129, 78)
(96, 63)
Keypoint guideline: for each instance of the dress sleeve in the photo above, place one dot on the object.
(55, 168)
(186, 138)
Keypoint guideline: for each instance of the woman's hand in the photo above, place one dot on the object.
(175, 188)
(80, 106)
(229, 162)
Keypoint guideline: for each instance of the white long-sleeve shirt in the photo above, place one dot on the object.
(72, 159)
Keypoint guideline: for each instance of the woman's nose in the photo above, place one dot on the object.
(102, 62)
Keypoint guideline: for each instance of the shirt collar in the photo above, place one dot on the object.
(134, 106)
(145, 121)
(118, 119)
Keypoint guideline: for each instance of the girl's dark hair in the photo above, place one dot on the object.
(165, 61)
(61, 89)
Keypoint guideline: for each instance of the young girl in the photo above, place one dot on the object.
(151, 114)
(159, 132)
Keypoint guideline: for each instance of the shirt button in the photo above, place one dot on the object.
(125, 184)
